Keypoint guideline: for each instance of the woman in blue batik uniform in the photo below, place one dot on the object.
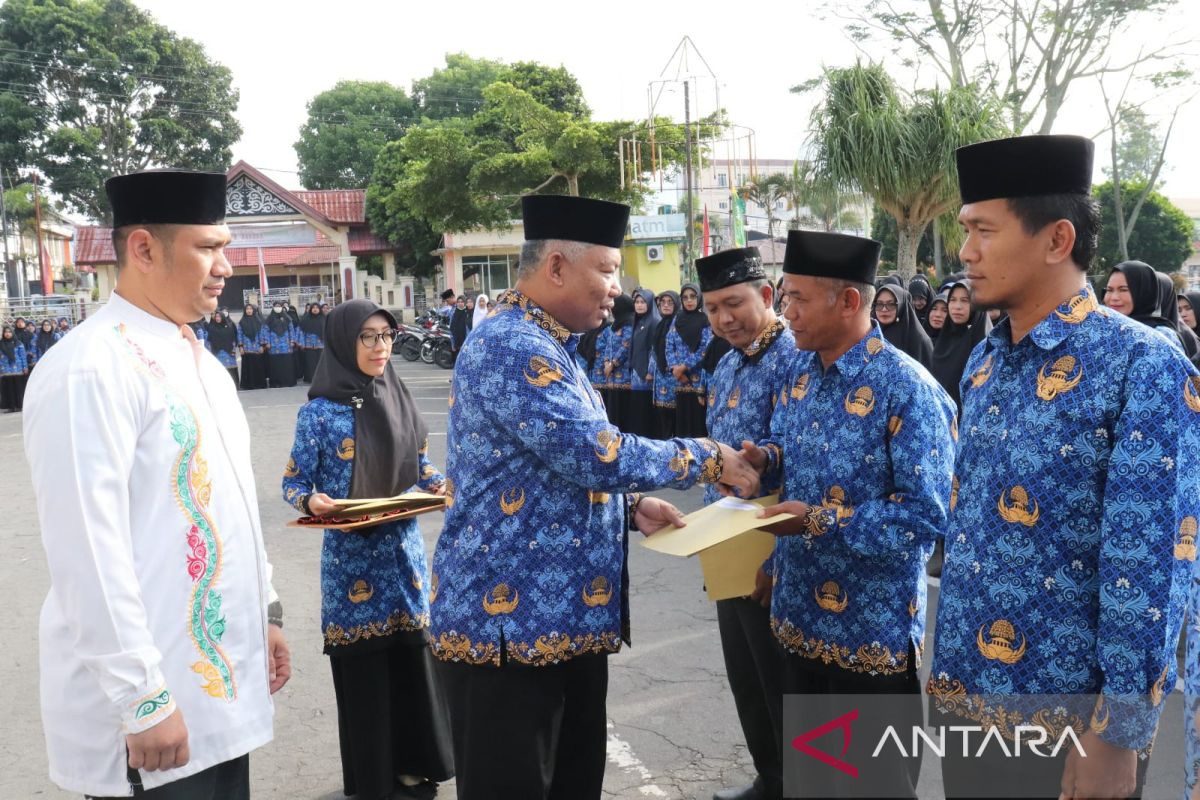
(592, 344)
(663, 384)
(617, 340)
(361, 436)
(46, 338)
(281, 344)
(12, 371)
(252, 339)
(222, 338)
(686, 344)
(640, 419)
(312, 341)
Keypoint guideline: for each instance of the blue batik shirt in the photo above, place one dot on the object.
(531, 560)
(279, 343)
(596, 375)
(1071, 537)
(254, 345)
(678, 353)
(744, 393)
(617, 346)
(16, 365)
(375, 584)
(870, 440)
(226, 357)
(1191, 686)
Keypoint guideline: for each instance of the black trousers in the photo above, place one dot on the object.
(392, 719)
(528, 733)
(229, 780)
(993, 774)
(12, 392)
(754, 666)
(887, 775)
(690, 414)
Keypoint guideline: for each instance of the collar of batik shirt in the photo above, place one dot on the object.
(533, 313)
(853, 360)
(763, 341)
(1056, 327)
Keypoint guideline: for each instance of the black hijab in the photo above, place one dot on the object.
(955, 343)
(9, 346)
(644, 328)
(313, 324)
(889, 280)
(293, 315)
(388, 429)
(45, 339)
(460, 324)
(23, 334)
(587, 343)
(906, 332)
(198, 326)
(279, 322)
(919, 287)
(691, 324)
(662, 329)
(1169, 308)
(622, 312)
(1193, 299)
(222, 336)
(1145, 292)
(251, 323)
(716, 350)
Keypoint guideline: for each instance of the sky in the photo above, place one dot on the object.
(283, 53)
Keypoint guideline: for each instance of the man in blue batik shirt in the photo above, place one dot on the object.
(864, 439)
(1070, 543)
(529, 584)
(743, 393)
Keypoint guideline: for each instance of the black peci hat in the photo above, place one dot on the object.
(831, 255)
(167, 197)
(1025, 166)
(730, 267)
(574, 219)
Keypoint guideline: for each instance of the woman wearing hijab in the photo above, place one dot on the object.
(64, 326)
(589, 356)
(922, 294)
(222, 342)
(24, 333)
(686, 343)
(1188, 304)
(1134, 291)
(361, 436)
(46, 338)
(200, 330)
(281, 345)
(965, 327)
(663, 385)
(13, 368)
(252, 339)
(460, 323)
(617, 341)
(312, 343)
(641, 364)
(939, 309)
(1168, 305)
(901, 326)
(480, 312)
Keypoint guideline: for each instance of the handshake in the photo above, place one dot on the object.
(741, 470)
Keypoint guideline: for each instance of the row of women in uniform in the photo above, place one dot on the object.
(275, 352)
(650, 362)
(22, 345)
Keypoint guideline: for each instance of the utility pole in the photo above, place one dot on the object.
(37, 214)
(4, 226)
(687, 181)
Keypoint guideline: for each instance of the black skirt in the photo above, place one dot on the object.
(281, 370)
(664, 422)
(311, 357)
(254, 371)
(616, 403)
(233, 373)
(690, 414)
(12, 392)
(392, 718)
(640, 414)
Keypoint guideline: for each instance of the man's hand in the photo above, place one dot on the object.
(763, 583)
(653, 514)
(755, 455)
(439, 490)
(320, 504)
(678, 371)
(279, 657)
(1106, 772)
(608, 367)
(787, 527)
(737, 473)
(165, 746)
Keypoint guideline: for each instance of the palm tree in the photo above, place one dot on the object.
(766, 191)
(898, 149)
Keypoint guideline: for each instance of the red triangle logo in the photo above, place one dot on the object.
(842, 723)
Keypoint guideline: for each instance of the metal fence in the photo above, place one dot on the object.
(37, 308)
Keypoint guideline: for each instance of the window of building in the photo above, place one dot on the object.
(722, 180)
(724, 206)
(496, 272)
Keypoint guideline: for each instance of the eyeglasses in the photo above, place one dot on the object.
(886, 306)
(371, 339)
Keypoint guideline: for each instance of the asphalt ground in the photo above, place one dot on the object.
(673, 729)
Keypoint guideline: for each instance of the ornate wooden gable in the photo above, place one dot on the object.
(246, 197)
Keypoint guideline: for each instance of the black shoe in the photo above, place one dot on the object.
(425, 790)
(751, 792)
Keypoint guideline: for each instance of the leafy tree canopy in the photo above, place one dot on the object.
(346, 128)
(1162, 237)
(94, 88)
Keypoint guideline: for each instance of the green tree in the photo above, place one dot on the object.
(345, 130)
(457, 89)
(1023, 54)
(108, 90)
(553, 87)
(1162, 236)
(766, 190)
(390, 216)
(899, 150)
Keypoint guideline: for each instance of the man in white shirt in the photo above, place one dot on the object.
(157, 658)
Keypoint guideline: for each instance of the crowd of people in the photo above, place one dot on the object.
(1048, 439)
(22, 345)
